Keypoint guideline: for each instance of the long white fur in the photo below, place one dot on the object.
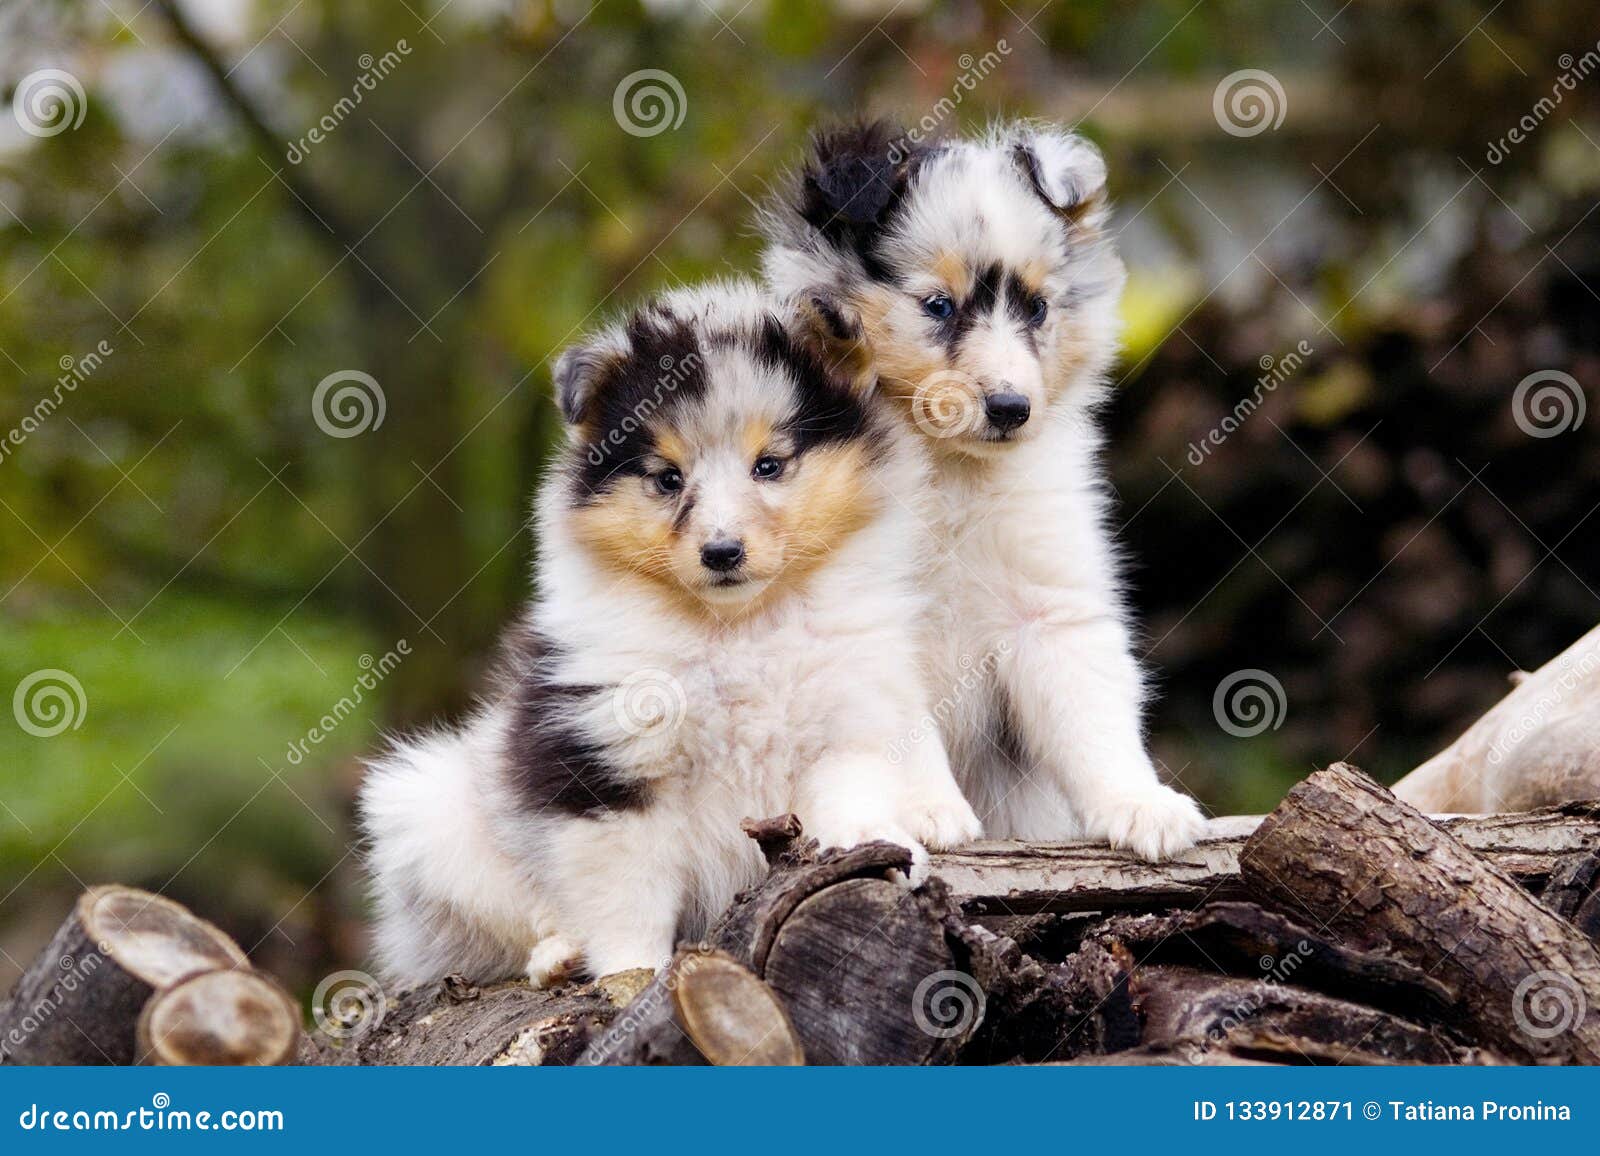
(804, 704)
(1023, 577)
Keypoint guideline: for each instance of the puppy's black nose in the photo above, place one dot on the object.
(722, 555)
(1006, 410)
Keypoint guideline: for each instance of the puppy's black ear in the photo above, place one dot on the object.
(826, 323)
(1066, 171)
(853, 178)
(582, 370)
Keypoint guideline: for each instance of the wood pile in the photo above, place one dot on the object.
(1344, 928)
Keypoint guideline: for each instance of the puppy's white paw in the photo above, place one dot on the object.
(853, 833)
(1154, 824)
(944, 821)
(552, 961)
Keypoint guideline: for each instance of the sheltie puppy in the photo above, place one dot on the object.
(726, 625)
(972, 283)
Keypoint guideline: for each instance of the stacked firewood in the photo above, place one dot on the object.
(1346, 927)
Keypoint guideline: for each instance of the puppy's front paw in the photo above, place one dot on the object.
(553, 960)
(944, 821)
(1154, 824)
(853, 833)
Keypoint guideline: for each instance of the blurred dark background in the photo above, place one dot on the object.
(221, 577)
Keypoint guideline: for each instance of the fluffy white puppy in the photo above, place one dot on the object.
(727, 625)
(972, 283)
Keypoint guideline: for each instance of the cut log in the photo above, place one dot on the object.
(860, 961)
(1574, 892)
(1253, 943)
(1038, 1012)
(78, 1002)
(1538, 746)
(1001, 878)
(1343, 854)
(455, 1022)
(219, 1018)
(703, 1008)
(796, 872)
(868, 978)
(1189, 1012)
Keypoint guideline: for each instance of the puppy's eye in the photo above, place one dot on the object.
(669, 480)
(1037, 308)
(767, 467)
(938, 306)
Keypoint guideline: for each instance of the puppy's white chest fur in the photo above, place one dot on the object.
(760, 711)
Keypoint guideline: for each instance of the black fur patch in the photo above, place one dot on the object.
(1019, 301)
(992, 286)
(1070, 209)
(827, 411)
(852, 186)
(1006, 734)
(1029, 160)
(840, 328)
(663, 370)
(552, 766)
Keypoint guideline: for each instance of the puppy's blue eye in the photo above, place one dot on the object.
(1037, 308)
(938, 306)
(669, 480)
(767, 467)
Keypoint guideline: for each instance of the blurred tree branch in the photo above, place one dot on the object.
(329, 220)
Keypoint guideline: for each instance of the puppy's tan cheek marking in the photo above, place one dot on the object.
(763, 543)
(916, 372)
(1069, 348)
(627, 531)
(830, 500)
(902, 362)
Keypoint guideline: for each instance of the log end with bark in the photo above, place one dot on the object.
(80, 1001)
(231, 1018)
